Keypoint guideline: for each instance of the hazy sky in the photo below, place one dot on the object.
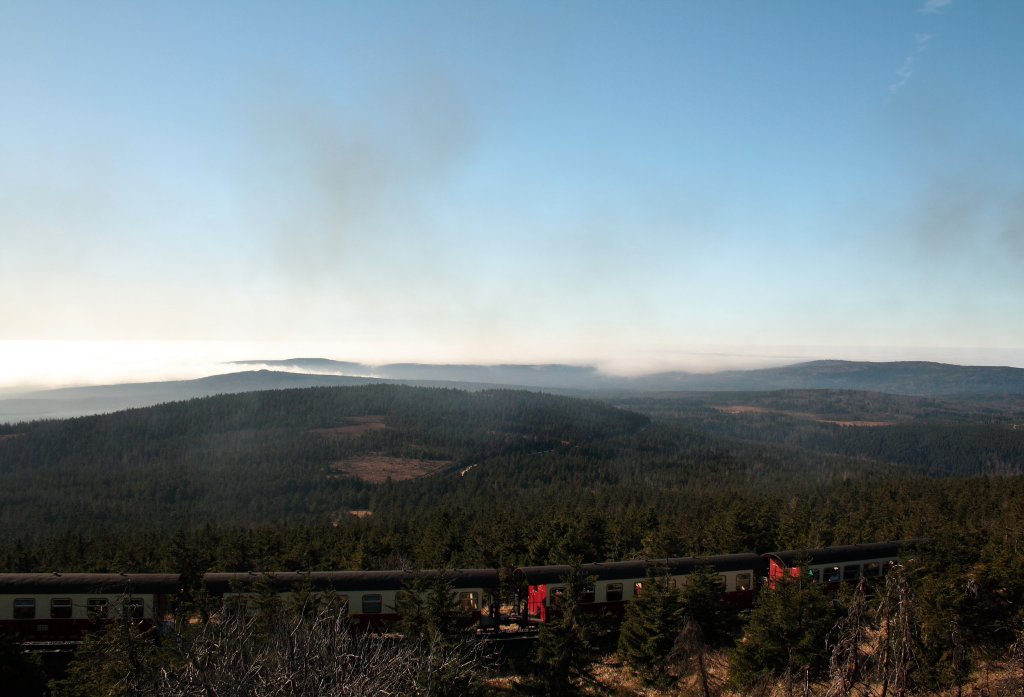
(628, 183)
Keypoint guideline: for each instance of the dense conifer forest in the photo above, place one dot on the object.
(272, 481)
(252, 480)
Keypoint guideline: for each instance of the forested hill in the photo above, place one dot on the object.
(939, 437)
(69, 402)
(383, 476)
(267, 456)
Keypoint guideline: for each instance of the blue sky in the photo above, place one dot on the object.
(632, 184)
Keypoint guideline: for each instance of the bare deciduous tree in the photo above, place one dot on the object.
(846, 665)
(291, 654)
(691, 656)
(1015, 684)
(319, 655)
(896, 650)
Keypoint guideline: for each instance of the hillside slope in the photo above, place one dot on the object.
(916, 378)
(495, 478)
(269, 456)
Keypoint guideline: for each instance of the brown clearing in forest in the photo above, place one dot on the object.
(11, 436)
(377, 469)
(358, 426)
(748, 409)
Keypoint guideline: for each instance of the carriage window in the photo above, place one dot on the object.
(96, 608)
(744, 582)
(469, 601)
(24, 608)
(888, 567)
(872, 568)
(638, 588)
(850, 573)
(814, 574)
(555, 598)
(613, 592)
(60, 608)
(832, 574)
(135, 608)
(723, 582)
(588, 595)
(335, 602)
(372, 604)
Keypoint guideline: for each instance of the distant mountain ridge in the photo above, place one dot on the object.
(916, 378)
(913, 378)
(551, 375)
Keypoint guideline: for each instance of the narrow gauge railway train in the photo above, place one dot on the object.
(740, 574)
(616, 583)
(61, 607)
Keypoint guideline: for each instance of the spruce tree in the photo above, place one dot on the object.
(787, 633)
(122, 659)
(708, 624)
(433, 620)
(690, 655)
(429, 607)
(649, 629)
(702, 603)
(565, 646)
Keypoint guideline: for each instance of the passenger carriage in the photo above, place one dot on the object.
(619, 582)
(57, 607)
(834, 565)
(369, 597)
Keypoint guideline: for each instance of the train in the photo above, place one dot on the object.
(61, 607)
(740, 575)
